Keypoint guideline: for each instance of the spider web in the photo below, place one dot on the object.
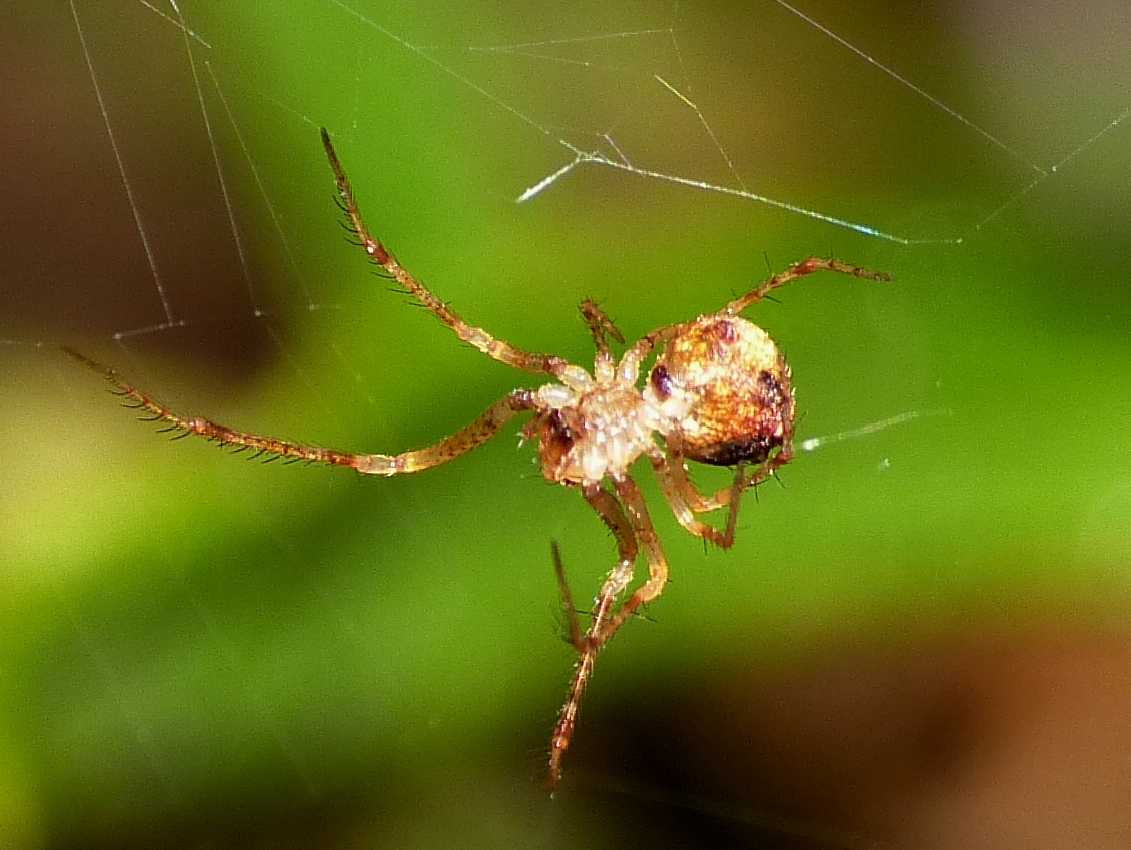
(169, 210)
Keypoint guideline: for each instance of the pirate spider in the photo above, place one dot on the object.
(719, 392)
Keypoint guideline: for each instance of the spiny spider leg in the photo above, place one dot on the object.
(657, 562)
(600, 325)
(761, 475)
(649, 342)
(691, 496)
(611, 513)
(642, 526)
(568, 608)
(627, 530)
(498, 349)
(683, 498)
(475, 434)
(795, 272)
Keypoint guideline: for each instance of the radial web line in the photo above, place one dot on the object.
(358, 378)
(175, 23)
(451, 72)
(275, 221)
(1028, 188)
(1091, 140)
(216, 162)
(675, 44)
(561, 60)
(953, 113)
(581, 39)
(1011, 200)
(93, 642)
(545, 182)
(166, 307)
(303, 375)
(707, 127)
(597, 158)
(623, 157)
(262, 705)
(358, 88)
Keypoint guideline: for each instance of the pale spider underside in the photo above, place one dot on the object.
(718, 392)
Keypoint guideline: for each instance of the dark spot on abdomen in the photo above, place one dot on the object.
(752, 450)
(770, 388)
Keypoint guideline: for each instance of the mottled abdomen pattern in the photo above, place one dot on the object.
(737, 387)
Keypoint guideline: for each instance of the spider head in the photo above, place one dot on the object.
(726, 386)
(591, 429)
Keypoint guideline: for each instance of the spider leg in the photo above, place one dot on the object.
(795, 272)
(657, 562)
(498, 349)
(698, 501)
(648, 343)
(475, 434)
(566, 594)
(611, 513)
(723, 496)
(685, 500)
(601, 326)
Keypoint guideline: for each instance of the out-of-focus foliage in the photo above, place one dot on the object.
(199, 651)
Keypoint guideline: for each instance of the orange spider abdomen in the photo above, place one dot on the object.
(732, 387)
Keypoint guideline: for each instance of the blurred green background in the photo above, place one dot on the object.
(921, 640)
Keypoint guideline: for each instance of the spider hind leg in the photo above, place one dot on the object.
(589, 644)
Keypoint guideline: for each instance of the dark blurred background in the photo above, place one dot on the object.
(920, 641)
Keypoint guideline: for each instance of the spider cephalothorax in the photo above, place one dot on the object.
(591, 426)
(719, 392)
(720, 389)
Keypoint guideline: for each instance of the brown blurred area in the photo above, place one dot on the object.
(68, 234)
(1018, 740)
(959, 742)
(976, 736)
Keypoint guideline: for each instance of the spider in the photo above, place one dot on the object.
(719, 392)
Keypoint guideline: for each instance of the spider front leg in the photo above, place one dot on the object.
(795, 272)
(475, 434)
(611, 513)
(659, 337)
(497, 349)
